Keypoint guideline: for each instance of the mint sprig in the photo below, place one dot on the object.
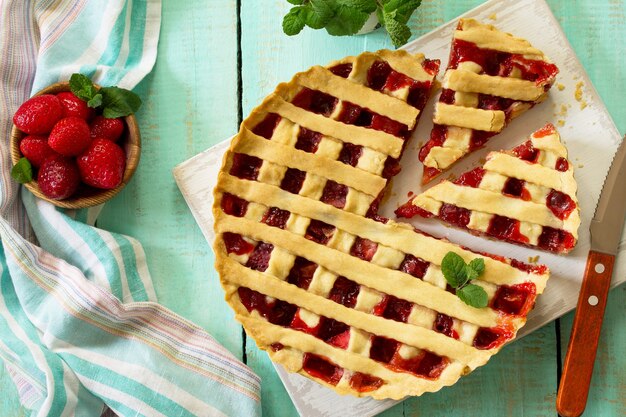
(347, 17)
(113, 101)
(459, 274)
(22, 172)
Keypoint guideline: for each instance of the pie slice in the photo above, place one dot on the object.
(329, 288)
(492, 77)
(525, 196)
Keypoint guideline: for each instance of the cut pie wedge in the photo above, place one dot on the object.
(525, 196)
(492, 77)
(330, 289)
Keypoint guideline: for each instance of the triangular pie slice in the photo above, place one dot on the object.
(327, 287)
(525, 196)
(492, 77)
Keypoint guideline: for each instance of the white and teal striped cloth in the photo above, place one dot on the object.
(80, 328)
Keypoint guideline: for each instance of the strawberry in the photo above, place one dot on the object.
(70, 136)
(73, 106)
(36, 149)
(58, 177)
(112, 129)
(102, 164)
(38, 115)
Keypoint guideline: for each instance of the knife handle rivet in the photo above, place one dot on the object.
(593, 300)
(599, 268)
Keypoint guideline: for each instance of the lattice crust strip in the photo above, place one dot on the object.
(329, 288)
(492, 77)
(525, 196)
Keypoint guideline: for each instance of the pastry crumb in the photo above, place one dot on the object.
(583, 104)
(561, 123)
(533, 259)
(493, 16)
(578, 94)
(581, 165)
(560, 86)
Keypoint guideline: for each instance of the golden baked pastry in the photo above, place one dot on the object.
(492, 77)
(329, 288)
(525, 196)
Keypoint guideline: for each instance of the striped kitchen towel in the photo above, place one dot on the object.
(80, 327)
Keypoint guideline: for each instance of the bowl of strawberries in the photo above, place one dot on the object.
(76, 144)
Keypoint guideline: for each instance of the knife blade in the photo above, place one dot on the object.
(606, 231)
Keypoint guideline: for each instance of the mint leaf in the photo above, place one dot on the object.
(473, 295)
(82, 87)
(459, 274)
(323, 9)
(346, 21)
(22, 172)
(477, 265)
(317, 14)
(365, 6)
(293, 22)
(96, 101)
(453, 268)
(470, 273)
(402, 9)
(398, 32)
(118, 102)
(296, 2)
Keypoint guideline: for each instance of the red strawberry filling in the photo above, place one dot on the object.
(444, 325)
(308, 140)
(245, 166)
(315, 101)
(322, 368)
(319, 232)
(334, 194)
(514, 299)
(350, 154)
(233, 205)
(396, 309)
(414, 266)
(490, 338)
(276, 217)
(365, 383)
(471, 178)
(236, 244)
(260, 257)
(364, 249)
(560, 204)
(293, 180)
(341, 70)
(301, 273)
(266, 127)
(344, 292)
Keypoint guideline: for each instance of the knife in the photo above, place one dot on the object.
(606, 231)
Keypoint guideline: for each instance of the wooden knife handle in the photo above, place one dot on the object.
(583, 342)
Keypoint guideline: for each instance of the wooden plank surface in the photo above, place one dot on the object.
(192, 102)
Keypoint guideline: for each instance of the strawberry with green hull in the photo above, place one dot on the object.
(72, 135)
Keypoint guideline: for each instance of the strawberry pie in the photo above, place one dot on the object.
(492, 77)
(525, 196)
(330, 289)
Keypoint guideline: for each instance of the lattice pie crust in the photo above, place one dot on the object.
(330, 289)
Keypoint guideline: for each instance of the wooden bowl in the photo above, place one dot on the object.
(86, 196)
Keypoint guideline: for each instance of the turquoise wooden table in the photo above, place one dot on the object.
(216, 61)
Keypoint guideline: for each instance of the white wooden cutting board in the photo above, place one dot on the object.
(584, 124)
